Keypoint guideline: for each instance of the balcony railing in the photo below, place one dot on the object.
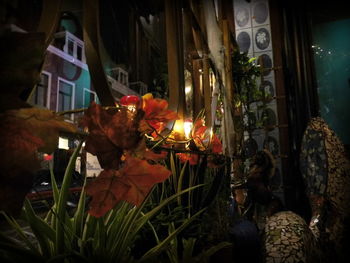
(71, 45)
(139, 87)
(119, 87)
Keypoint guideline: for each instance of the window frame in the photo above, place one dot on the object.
(48, 94)
(90, 91)
(73, 95)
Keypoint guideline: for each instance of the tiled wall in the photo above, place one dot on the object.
(253, 36)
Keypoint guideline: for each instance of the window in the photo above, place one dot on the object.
(70, 46)
(65, 100)
(41, 93)
(79, 52)
(331, 50)
(63, 143)
(89, 96)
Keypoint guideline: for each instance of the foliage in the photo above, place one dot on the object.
(185, 174)
(23, 133)
(82, 237)
(132, 183)
(116, 138)
(188, 254)
(247, 77)
(159, 86)
(114, 208)
(245, 74)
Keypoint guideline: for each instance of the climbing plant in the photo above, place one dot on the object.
(250, 99)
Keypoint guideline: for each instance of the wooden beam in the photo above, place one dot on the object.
(175, 55)
(207, 93)
(92, 51)
(197, 76)
(228, 62)
(49, 19)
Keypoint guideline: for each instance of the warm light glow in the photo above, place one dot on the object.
(178, 132)
(187, 128)
(188, 89)
(132, 108)
(211, 133)
(178, 127)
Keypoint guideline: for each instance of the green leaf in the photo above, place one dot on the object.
(252, 59)
(173, 170)
(54, 186)
(141, 221)
(42, 231)
(208, 253)
(62, 200)
(78, 219)
(160, 247)
(180, 181)
(188, 249)
(89, 230)
(16, 253)
(13, 223)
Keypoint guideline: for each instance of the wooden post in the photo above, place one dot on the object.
(92, 51)
(175, 55)
(207, 93)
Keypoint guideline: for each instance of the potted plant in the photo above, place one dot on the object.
(114, 208)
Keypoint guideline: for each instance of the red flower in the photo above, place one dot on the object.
(192, 158)
(156, 114)
(130, 100)
(201, 135)
(48, 157)
(204, 138)
(216, 145)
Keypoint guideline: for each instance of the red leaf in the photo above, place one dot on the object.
(18, 162)
(132, 183)
(156, 114)
(44, 124)
(111, 132)
(106, 191)
(150, 155)
(23, 133)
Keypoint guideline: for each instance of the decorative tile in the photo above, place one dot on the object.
(259, 136)
(242, 14)
(262, 38)
(276, 181)
(265, 59)
(268, 86)
(250, 147)
(249, 119)
(271, 142)
(288, 238)
(244, 40)
(260, 13)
